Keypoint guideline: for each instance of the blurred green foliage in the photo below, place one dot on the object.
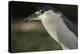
(32, 41)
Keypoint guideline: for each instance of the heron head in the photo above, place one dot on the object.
(41, 13)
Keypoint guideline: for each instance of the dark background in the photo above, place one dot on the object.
(20, 10)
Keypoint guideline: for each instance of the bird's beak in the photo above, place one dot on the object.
(31, 17)
(26, 20)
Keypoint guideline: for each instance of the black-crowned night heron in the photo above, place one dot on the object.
(57, 25)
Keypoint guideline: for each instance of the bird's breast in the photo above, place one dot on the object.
(51, 29)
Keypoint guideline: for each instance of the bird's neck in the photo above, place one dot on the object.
(52, 23)
(57, 29)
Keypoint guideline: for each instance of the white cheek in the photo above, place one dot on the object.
(43, 16)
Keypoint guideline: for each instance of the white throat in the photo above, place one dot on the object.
(58, 30)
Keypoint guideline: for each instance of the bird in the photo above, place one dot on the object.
(58, 26)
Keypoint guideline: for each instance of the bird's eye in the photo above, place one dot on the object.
(42, 11)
